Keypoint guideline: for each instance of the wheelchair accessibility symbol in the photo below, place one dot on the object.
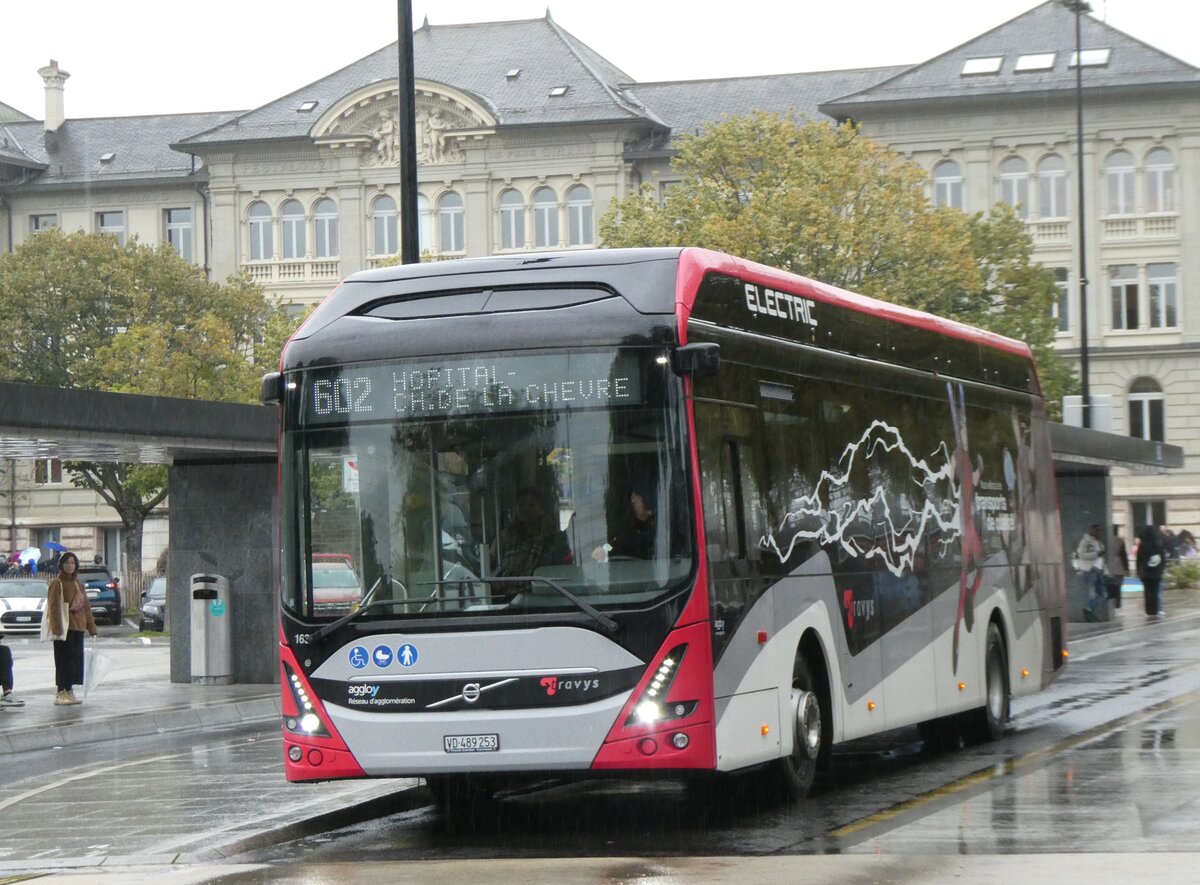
(358, 657)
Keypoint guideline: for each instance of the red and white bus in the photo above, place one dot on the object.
(651, 510)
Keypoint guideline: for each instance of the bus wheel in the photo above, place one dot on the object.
(811, 729)
(987, 724)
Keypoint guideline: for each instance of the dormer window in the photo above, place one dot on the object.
(1091, 58)
(975, 66)
(558, 91)
(306, 107)
(1035, 61)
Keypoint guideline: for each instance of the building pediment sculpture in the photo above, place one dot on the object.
(371, 122)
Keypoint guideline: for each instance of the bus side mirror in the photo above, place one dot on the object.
(697, 360)
(272, 388)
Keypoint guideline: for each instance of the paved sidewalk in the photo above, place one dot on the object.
(150, 772)
(134, 697)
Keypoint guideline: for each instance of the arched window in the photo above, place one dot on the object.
(383, 225)
(1014, 185)
(1052, 187)
(948, 185)
(450, 222)
(512, 220)
(325, 222)
(424, 224)
(545, 218)
(292, 216)
(580, 231)
(1160, 181)
(262, 243)
(1119, 172)
(1146, 410)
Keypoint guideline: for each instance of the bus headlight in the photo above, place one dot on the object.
(308, 721)
(653, 705)
(648, 711)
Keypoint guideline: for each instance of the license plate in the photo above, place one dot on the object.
(24, 619)
(471, 743)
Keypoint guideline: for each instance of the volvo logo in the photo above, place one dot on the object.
(470, 693)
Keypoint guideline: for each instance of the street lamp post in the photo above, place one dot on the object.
(1079, 7)
(410, 248)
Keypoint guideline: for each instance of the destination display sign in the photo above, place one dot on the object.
(479, 385)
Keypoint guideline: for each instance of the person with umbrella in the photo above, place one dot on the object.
(50, 564)
(28, 558)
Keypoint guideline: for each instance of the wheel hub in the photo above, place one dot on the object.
(808, 723)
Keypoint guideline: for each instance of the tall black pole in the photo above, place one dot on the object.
(1080, 6)
(410, 248)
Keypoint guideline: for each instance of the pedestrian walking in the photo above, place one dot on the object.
(1150, 564)
(1089, 555)
(70, 616)
(7, 698)
(1118, 566)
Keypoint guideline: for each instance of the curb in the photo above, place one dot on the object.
(394, 801)
(164, 720)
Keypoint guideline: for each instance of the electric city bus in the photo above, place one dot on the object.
(651, 510)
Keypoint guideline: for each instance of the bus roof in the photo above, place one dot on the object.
(695, 263)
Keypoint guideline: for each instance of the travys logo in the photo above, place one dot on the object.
(857, 608)
(554, 685)
(363, 691)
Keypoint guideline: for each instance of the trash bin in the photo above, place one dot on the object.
(212, 631)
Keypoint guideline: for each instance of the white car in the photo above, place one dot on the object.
(22, 601)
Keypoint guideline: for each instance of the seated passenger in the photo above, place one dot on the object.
(635, 537)
(531, 539)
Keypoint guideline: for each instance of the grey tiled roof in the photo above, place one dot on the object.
(686, 106)
(9, 114)
(1047, 28)
(11, 152)
(470, 57)
(141, 147)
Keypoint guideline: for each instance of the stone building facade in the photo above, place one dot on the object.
(526, 135)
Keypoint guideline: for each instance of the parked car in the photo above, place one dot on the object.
(103, 590)
(335, 584)
(22, 601)
(154, 606)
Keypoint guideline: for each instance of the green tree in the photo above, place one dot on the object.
(87, 312)
(825, 202)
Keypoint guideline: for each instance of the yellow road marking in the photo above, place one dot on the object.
(1010, 766)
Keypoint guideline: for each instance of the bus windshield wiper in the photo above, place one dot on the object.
(322, 632)
(609, 625)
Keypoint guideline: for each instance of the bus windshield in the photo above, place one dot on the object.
(490, 485)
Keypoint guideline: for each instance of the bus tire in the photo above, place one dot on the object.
(987, 723)
(812, 729)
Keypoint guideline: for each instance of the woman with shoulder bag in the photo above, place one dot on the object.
(69, 615)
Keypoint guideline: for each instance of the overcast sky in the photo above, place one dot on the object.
(130, 57)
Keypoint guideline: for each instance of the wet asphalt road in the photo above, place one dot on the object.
(1099, 776)
(1106, 761)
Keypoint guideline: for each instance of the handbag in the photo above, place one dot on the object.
(50, 630)
(65, 618)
